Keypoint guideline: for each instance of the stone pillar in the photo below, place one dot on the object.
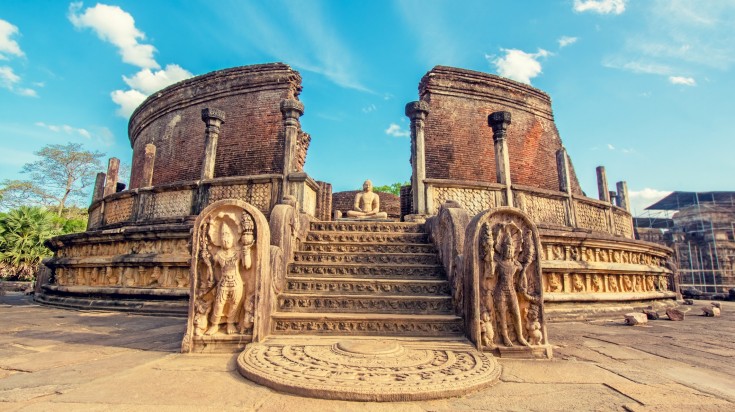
(499, 121)
(565, 184)
(150, 158)
(623, 199)
(562, 167)
(213, 118)
(99, 187)
(602, 191)
(113, 167)
(417, 112)
(291, 109)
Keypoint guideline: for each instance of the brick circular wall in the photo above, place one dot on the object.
(389, 203)
(251, 140)
(459, 142)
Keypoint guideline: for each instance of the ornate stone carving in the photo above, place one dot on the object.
(541, 209)
(257, 194)
(474, 200)
(230, 255)
(118, 210)
(591, 217)
(372, 370)
(503, 271)
(171, 204)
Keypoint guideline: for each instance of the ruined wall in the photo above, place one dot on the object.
(389, 203)
(459, 142)
(251, 140)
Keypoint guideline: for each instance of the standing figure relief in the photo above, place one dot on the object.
(226, 288)
(508, 299)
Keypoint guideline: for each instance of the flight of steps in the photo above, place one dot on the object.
(366, 278)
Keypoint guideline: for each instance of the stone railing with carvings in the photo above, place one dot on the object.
(546, 208)
(577, 268)
(181, 200)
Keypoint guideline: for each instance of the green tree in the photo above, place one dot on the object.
(61, 176)
(23, 232)
(394, 188)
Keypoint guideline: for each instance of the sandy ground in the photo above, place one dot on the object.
(57, 359)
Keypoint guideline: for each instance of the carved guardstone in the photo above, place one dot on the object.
(504, 299)
(230, 258)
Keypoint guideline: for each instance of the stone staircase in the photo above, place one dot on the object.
(368, 279)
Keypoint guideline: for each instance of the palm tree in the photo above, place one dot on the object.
(22, 233)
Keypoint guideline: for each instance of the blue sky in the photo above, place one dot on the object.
(644, 87)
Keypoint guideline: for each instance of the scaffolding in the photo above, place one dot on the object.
(700, 228)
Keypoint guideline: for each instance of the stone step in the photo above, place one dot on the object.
(407, 272)
(433, 305)
(368, 247)
(366, 237)
(375, 287)
(366, 324)
(366, 226)
(328, 258)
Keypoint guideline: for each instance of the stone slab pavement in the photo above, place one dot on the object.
(58, 359)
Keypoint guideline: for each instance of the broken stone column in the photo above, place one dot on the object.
(604, 194)
(499, 121)
(417, 112)
(99, 187)
(623, 200)
(562, 167)
(148, 161)
(113, 167)
(291, 110)
(213, 118)
(614, 198)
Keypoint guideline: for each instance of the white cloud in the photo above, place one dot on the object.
(9, 80)
(640, 199)
(637, 66)
(65, 128)
(8, 45)
(600, 6)
(565, 41)
(114, 25)
(369, 108)
(610, 147)
(149, 82)
(128, 100)
(684, 81)
(397, 131)
(518, 65)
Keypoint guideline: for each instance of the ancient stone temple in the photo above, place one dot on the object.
(221, 223)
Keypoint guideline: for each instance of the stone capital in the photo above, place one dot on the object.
(292, 109)
(499, 121)
(210, 113)
(417, 110)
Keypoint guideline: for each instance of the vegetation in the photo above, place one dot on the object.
(394, 188)
(60, 176)
(43, 206)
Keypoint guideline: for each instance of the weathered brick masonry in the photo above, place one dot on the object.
(251, 140)
(459, 143)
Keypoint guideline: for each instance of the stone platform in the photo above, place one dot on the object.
(387, 370)
(68, 360)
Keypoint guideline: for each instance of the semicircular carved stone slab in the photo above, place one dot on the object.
(368, 370)
(230, 261)
(503, 276)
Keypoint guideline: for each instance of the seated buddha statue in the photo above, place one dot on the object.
(367, 204)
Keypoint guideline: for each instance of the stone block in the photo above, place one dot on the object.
(634, 319)
(711, 311)
(651, 314)
(675, 314)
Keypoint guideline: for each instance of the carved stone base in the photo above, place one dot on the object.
(369, 370)
(220, 343)
(525, 352)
